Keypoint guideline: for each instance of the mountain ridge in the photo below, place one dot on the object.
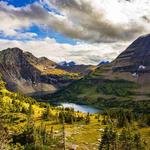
(125, 82)
(25, 73)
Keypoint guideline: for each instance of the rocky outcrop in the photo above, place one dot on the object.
(136, 57)
(23, 72)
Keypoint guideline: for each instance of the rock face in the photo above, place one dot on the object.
(27, 74)
(133, 64)
(136, 57)
(15, 64)
(20, 74)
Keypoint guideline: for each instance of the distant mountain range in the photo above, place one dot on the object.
(123, 82)
(75, 68)
(67, 64)
(25, 73)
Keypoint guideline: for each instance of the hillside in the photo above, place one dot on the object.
(23, 122)
(125, 82)
(25, 73)
(26, 124)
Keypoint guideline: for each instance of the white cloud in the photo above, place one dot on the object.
(9, 23)
(105, 27)
(95, 21)
(80, 53)
(105, 20)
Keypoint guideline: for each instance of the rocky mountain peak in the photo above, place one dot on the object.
(12, 56)
(136, 55)
(25, 73)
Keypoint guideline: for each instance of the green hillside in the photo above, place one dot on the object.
(103, 92)
(28, 125)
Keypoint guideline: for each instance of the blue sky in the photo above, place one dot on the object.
(41, 33)
(19, 3)
(84, 31)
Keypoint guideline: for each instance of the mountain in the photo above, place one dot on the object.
(25, 73)
(103, 62)
(75, 68)
(67, 64)
(81, 69)
(122, 83)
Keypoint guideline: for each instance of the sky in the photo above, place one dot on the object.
(84, 31)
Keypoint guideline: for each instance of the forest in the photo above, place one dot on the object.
(26, 124)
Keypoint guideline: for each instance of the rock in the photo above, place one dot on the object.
(99, 140)
(73, 147)
(23, 72)
(135, 57)
(101, 129)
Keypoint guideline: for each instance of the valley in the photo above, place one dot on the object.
(75, 106)
(27, 124)
(74, 75)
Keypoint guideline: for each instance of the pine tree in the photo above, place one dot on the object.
(29, 131)
(104, 121)
(87, 119)
(52, 132)
(30, 111)
(47, 113)
(98, 117)
(43, 133)
(64, 134)
(108, 139)
(124, 117)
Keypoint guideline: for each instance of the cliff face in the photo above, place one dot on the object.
(133, 64)
(14, 64)
(136, 57)
(25, 73)
(19, 73)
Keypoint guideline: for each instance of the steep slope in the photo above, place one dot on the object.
(27, 74)
(124, 82)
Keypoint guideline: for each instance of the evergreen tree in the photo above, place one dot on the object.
(126, 140)
(87, 119)
(47, 113)
(124, 117)
(30, 110)
(52, 132)
(98, 117)
(104, 121)
(138, 143)
(108, 139)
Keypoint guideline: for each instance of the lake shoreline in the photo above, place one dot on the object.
(79, 107)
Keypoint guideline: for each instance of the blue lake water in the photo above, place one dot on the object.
(81, 108)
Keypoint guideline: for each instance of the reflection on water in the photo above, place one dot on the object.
(81, 108)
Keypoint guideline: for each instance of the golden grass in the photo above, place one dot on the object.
(54, 71)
